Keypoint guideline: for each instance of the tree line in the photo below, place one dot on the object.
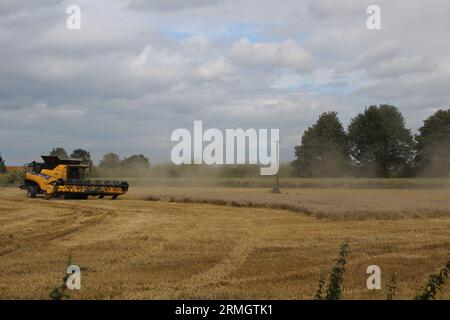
(376, 144)
(109, 160)
(110, 164)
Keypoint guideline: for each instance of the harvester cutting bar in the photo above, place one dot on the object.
(84, 188)
(94, 183)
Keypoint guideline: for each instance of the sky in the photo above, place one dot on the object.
(137, 70)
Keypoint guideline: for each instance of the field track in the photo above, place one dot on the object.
(157, 250)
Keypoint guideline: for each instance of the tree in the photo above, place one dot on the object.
(59, 152)
(2, 165)
(110, 160)
(379, 141)
(136, 162)
(433, 145)
(323, 149)
(84, 155)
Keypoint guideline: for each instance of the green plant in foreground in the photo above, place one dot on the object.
(60, 292)
(392, 287)
(434, 284)
(322, 288)
(333, 289)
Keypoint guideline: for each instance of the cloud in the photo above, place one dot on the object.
(374, 54)
(387, 60)
(13, 7)
(170, 5)
(136, 71)
(400, 66)
(336, 8)
(287, 54)
(219, 70)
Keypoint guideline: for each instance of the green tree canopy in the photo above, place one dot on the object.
(379, 141)
(59, 152)
(110, 160)
(323, 149)
(82, 154)
(137, 161)
(433, 145)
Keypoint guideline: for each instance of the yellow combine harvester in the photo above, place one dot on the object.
(65, 178)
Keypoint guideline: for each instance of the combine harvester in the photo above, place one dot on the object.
(65, 178)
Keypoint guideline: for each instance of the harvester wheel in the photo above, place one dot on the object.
(113, 197)
(50, 195)
(31, 191)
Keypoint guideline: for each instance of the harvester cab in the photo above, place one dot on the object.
(56, 177)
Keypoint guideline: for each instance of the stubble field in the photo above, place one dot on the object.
(255, 245)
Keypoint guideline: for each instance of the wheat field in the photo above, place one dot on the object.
(138, 249)
(335, 204)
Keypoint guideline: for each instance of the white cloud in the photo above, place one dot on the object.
(218, 69)
(197, 46)
(287, 54)
(158, 66)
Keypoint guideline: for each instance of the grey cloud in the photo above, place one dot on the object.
(373, 54)
(9, 7)
(171, 5)
(128, 78)
(336, 8)
(287, 54)
(387, 60)
(400, 66)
